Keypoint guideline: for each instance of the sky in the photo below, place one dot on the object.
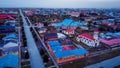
(61, 3)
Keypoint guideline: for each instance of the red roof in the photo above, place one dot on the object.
(3, 16)
(106, 23)
(116, 25)
(96, 30)
(66, 48)
(86, 36)
(69, 30)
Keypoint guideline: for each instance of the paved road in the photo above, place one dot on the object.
(35, 58)
(43, 44)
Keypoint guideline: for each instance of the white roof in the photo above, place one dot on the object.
(10, 44)
(60, 35)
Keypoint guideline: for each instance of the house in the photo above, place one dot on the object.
(111, 42)
(74, 14)
(68, 23)
(50, 36)
(10, 44)
(88, 39)
(28, 12)
(64, 54)
(10, 37)
(9, 61)
(39, 25)
(10, 22)
(60, 35)
(12, 12)
(7, 29)
(10, 50)
(115, 25)
(68, 31)
(84, 27)
(42, 30)
(110, 35)
(87, 19)
(5, 16)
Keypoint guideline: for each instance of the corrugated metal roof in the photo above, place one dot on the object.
(110, 42)
(9, 60)
(87, 36)
(68, 22)
(66, 53)
(13, 36)
(6, 27)
(50, 35)
(59, 53)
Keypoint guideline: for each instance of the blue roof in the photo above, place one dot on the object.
(57, 49)
(9, 60)
(50, 35)
(75, 24)
(117, 34)
(55, 45)
(68, 22)
(9, 36)
(77, 52)
(6, 27)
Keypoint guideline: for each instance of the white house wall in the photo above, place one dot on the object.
(87, 42)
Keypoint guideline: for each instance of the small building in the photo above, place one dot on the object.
(5, 16)
(50, 36)
(10, 37)
(7, 29)
(10, 50)
(111, 43)
(28, 12)
(42, 30)
(87, 19)
(88, 39)
(68, 31)
(60, 35)
(10, 22)
(39, 25)
(10, 44)
(74, 14)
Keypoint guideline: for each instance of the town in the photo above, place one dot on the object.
(58, 37)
